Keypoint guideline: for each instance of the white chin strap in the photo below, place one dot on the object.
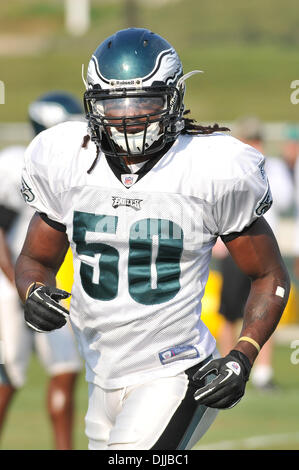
(135, 141)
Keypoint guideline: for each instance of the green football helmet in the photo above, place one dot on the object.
(134, 93)
(52, 108)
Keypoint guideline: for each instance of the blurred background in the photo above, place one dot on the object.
(249, 54)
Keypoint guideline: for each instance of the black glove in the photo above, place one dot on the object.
(228, 387)
(42, 309)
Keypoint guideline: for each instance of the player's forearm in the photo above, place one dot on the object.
(266, 302)
(28, 270)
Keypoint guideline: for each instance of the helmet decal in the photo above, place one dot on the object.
(166, 62)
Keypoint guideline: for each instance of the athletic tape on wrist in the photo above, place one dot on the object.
(250, 340)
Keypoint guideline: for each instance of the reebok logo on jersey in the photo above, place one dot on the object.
(123, 201)
(262, 170)
(177, 353)
(26, 192)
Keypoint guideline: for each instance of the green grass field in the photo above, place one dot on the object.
(260, 421)
(236, 81)
(249, 52)
(27, 424)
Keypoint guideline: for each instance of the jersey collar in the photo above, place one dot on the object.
(123, 173)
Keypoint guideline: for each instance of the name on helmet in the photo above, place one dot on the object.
(137, 82)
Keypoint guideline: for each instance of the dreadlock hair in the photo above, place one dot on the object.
(193, 128)
(86, 139)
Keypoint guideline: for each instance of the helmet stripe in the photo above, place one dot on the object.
(94, 59)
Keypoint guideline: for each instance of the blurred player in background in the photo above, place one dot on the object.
(236, 286)
(56, 350)
(290, 153)
(296, 181)
(290, 148)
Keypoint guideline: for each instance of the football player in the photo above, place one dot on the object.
(57, 350)
(141, 193)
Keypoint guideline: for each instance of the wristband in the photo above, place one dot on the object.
(31, 285)
(250, 340)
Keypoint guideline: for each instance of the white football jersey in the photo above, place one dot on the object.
(142, 243)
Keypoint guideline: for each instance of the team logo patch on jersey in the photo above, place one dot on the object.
(123, 201)
(129, 180)
(177, 353)
(26, 192)
(265, 203)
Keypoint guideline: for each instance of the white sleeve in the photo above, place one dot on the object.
(246, 197)
(37, 188)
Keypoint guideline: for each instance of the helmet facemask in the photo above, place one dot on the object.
(132, 121)
(134, 94)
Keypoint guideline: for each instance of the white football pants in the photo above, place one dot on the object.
(135, 417)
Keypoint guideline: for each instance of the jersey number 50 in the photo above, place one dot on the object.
(155, 249)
